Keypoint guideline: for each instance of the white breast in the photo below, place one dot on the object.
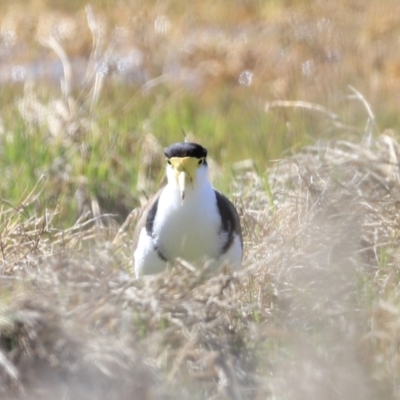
(188, 229)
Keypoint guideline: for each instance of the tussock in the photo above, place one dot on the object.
(312, 314)
(314, 311)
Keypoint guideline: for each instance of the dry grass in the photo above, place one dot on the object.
(312, 314)
(314, 311)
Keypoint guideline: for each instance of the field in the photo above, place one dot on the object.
(297, 103)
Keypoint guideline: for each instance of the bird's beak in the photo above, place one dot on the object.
(185, 168)
(182, 184)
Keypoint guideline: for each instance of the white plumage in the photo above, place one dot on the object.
(188, 224)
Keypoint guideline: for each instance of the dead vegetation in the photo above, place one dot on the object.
(312, 314)
(277, 51)
(314, 311)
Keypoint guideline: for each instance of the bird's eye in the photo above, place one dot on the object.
(201, 161)
(169, 162)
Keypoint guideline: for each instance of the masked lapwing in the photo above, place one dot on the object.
(187, 218)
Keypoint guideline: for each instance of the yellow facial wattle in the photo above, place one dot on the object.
(185, 169)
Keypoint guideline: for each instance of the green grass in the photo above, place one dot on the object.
(317, 298)
(105, 148)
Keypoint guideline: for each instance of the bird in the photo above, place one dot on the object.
(187, 218)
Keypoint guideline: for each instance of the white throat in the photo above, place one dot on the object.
(188, 225)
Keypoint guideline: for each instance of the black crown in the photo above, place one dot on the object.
(185, 149)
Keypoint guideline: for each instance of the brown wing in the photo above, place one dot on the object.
(230, 220)
(146, 218)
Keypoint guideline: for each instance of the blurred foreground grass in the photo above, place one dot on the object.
(88, 99)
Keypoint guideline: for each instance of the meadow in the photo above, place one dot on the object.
(297, 103)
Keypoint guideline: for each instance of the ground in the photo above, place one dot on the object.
(297, 103)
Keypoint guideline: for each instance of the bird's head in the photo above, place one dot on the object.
(183, 162)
